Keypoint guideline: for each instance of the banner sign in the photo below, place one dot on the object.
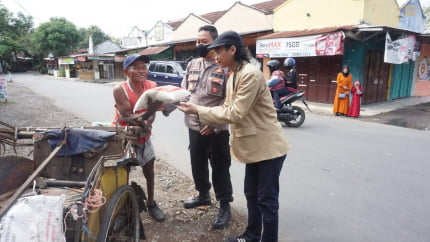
(423, 72)
(311, 45)
(401, 50)
(119, 58)
(66, 61)
(3, 87)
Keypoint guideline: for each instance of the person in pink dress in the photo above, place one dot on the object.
(356, 92)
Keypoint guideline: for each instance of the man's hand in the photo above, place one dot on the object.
(207, 130)
(187, 108)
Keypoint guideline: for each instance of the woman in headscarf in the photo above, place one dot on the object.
(356, 92)
(341, 99)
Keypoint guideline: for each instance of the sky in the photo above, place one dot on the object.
(118, 17)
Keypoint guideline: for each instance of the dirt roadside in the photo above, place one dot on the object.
(26, 109)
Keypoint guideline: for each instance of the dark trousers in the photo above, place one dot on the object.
(279, 93)
(214, 148)
(262, 195)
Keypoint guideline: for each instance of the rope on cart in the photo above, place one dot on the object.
(79, 209)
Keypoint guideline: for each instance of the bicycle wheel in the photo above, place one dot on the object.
(121, 219)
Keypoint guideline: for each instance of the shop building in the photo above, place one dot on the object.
(321, 53)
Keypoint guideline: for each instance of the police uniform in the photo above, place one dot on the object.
(206, 81)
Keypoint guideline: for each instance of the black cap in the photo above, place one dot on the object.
(132, 58)
(227, 38)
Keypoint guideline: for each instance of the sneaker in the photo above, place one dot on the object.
(155, 211)
(241, 238)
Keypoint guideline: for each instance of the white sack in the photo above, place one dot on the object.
(35, 218)
(165, 94)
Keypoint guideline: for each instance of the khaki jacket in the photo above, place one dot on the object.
(256, 134)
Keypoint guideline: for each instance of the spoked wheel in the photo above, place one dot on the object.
(297, 117)
(121, 220)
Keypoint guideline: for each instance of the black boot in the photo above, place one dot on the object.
(200, 200)
(223, 217)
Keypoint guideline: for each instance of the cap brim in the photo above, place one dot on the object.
(215, 45)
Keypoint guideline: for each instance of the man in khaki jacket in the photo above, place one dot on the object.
(256, 135)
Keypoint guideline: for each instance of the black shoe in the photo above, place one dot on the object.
(240, 238)
(155, 211)
(222, 219)
(201, 200)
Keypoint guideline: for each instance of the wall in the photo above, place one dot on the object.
(292, 15)
(382, 13)
(411, 17)
(354, 56)
(188, 29)
(422, 73)
(243, 19)
(401, 81)
(160, 33)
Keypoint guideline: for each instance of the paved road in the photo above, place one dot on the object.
(344, 179)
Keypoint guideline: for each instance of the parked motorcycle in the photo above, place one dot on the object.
(292, 116)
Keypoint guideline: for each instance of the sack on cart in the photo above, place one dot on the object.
(34, 218)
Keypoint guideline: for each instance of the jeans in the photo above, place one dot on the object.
(262, 195)
(277, 94)
(216, 149)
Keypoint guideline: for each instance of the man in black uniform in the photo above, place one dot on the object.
(206, 81)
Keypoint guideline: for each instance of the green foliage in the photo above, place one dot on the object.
(15, 33)
(98, 36)
(58, 36)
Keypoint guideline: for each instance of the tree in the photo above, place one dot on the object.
(15, 34)
(98, 36)
(58, 36)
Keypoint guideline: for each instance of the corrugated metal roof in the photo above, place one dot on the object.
(296, 33)
(153, 50)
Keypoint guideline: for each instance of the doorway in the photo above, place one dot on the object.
(376, 78)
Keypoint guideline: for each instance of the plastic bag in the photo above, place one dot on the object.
(273, 81)
(165, 94)
(35, 218)
(342, 95)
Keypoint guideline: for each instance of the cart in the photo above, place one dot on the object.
(102, 203)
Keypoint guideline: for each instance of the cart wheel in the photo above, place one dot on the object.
(121, 220)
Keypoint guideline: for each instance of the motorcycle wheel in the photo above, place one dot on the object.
(298, 117)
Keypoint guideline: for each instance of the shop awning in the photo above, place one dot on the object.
(305, 32)
(154, 50)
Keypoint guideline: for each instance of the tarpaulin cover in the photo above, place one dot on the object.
(78, 140)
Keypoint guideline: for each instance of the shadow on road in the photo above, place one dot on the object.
(414, 117)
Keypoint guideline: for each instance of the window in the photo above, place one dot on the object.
(159, 33)
(170, 69)
(152, 67)
(160, 68)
